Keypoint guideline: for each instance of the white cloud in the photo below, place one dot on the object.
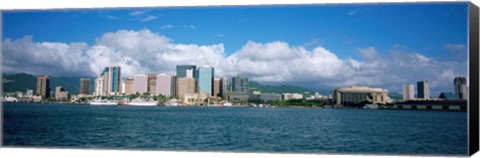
(353, 12)
(164, 27)
(456, 48)
(136, 13)
(311, 42)
(193, 27)
(369, 53)
(148, 18)
(24, 55)
(275, 62)
(142, 16)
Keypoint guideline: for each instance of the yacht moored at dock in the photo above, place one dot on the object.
(139, 102)
(103, 102)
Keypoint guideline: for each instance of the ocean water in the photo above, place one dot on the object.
(290, 130)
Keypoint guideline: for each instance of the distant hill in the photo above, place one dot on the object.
(395, 96)
(278, 89)
(23, 81)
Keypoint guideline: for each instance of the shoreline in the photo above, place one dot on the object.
(246, 106)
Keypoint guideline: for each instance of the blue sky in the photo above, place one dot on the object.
(319, 46)
(342, 28)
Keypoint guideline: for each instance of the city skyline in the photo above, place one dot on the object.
(386, 59)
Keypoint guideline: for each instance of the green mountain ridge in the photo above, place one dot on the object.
(278, 89)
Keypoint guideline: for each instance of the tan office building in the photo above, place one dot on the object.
(129, 86)
(356, 95)
(216, 87)
(85, 86)
(185, 85)
(152, 82)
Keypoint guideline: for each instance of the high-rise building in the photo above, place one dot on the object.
(460, 84)
(123, 88)
(216, 87)
(223, 87)
(204, 79)
(174, 86)
(185, 85)
(140, 84)
(423, 90)
(129, 86)
(186, 71)
(152, 82)
(43, 86)
(99, 87)
(240, 84)
(58, 90)
(85, 86)
(408, 92)
(111, 83)
(164, 85)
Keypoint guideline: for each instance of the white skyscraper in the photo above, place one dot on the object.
(99, 86)
(408, 92)
(123, 88)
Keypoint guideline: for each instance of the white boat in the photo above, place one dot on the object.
(172, 102)
(370, 106)
(103, 102)
(225, 103)
(138, 102)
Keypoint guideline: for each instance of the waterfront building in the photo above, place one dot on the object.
(111, 84)
(85, 86)
(152, 83)
(194, 98)
(29, 93)
(174, 86)
(216, 87)
(240, 84)
(185, 85)
(355, 96)
(408, 92)
(43, 86)
(224, 87)
(238, 98)
(460, 84)
(140, 83)
(123, 88)
(99, 87)
(186, 71)
(129, 86)
(19, 94)
(265, 97)
(61, 94)
(204, 79)
(423, 90)
(447, 105)
(292, 96)
(58, 89)
(164, 85)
